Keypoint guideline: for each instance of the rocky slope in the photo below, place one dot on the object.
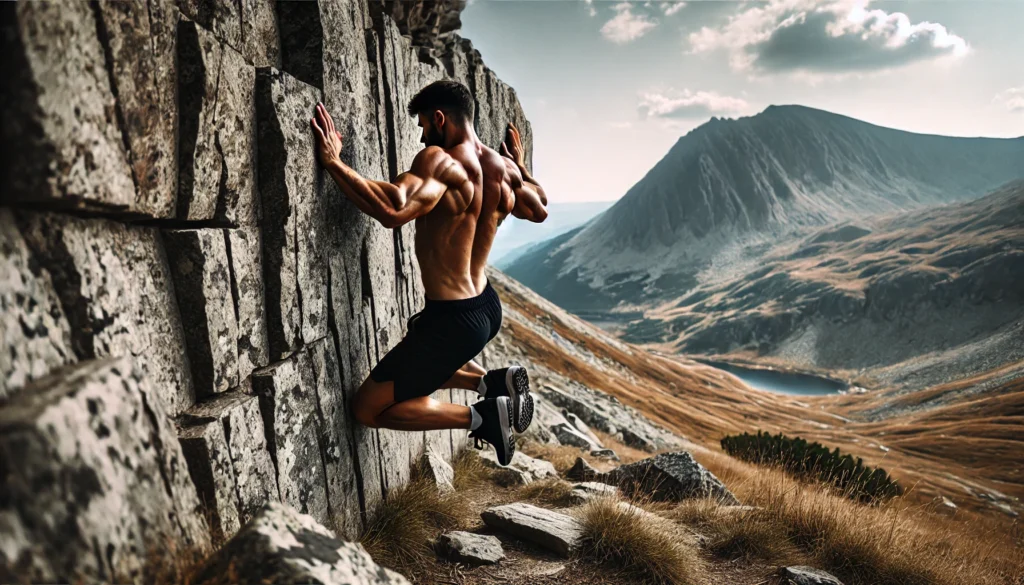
(750, 180)
(187, 302)
(943, 288)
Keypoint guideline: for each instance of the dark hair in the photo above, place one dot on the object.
(447, 95)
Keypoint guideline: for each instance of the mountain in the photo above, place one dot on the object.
(731, 187)
(908, 299)
(516, 237)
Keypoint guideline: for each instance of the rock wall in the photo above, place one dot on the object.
(188, 303)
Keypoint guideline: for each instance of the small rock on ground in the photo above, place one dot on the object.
(522, 470)
(584, 492)
(806, 576)
(438, 471)
(552, 530)
(469, 548)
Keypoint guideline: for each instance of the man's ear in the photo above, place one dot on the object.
(439, 119)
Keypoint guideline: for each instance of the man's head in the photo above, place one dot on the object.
(442, 107)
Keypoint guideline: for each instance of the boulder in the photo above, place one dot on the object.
(90, 463)
(522, 470)
(583, 471)
(469, 548)
(552, 530)
(35, 331)
(669, 477)
(801, 575)
(569, 435)
(589, 490)
(436, 469)
(284, 547)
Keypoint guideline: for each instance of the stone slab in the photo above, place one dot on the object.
(115, 286)
(552, 530)
(469, 548)
(35, 332)
(801, 575)
(209, 464)
(90, 462)
(435, 469)
(245, 252)
(201, 271)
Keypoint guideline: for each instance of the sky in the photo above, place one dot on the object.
(610, 86)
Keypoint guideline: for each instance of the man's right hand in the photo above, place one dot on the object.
(512, 146)
(328, 139)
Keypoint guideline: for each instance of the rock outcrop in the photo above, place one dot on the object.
(665, 477)
(282, 546)
(214, 300)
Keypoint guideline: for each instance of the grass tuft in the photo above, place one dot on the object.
(552, 492)
(470, 472)
(628, 538)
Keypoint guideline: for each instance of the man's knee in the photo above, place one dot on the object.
(363, 408)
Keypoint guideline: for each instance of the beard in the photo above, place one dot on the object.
(434, 137)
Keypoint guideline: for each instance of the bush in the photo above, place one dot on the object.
(814, 461)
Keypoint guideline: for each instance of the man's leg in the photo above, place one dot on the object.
(468, 377)
(375, 406)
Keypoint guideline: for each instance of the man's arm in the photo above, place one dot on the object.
(413, 194)
(531, 200)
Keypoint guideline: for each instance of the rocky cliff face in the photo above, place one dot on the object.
(187, 303)
(786, 169)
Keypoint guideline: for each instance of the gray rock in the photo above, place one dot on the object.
(209, 464)
(252, 476)
(522, 470)
(605, 454)
(582, 427)
(202, 281)
(114, 284)
(585, 491)
(569, 435)
(91, 463)
(140, 42)
(294, 270)
(245, 251)
(200, 56)
(321, 373)
(430, 24)
(60, 110)
(260, 43)
(288, 408)
(469, 548)
(669, 476)
(583, 471)
(806, 576)
(285, 547)
(36, 332)
(552, 530)
(223, 17)
(437, 470)
(235, 123)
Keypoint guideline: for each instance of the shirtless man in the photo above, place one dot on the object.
(458, 191)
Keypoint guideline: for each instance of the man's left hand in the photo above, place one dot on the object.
(328, 139)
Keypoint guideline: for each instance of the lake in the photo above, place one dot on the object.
(781, 382)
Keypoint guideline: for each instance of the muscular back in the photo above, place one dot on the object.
(454, 239)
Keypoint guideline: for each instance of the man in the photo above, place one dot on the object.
(458, 191)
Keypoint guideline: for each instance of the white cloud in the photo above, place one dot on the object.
(832, 38)
(670, 8)
(620, 125)
(688, 104)
(1012, 99)
(590, 7)
(626, 26)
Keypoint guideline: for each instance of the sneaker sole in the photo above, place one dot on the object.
(518, 382)
(504, 417)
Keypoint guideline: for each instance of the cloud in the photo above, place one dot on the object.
(620, 125)
(670, 8)
(626, 26)
(688, 104)
(833, 38)
(590, 7)
(1012, 99)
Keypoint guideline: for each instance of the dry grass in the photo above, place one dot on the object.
(736, 532)
(399, 533)
(561, 456)
(895, 543)
(551, 492)
(630, 539)
(470, 472)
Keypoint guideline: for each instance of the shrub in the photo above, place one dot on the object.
(814, 461)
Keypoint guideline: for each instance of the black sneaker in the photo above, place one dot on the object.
(496, 428)
(513, 382)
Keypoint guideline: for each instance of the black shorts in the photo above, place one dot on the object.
(442, 338)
